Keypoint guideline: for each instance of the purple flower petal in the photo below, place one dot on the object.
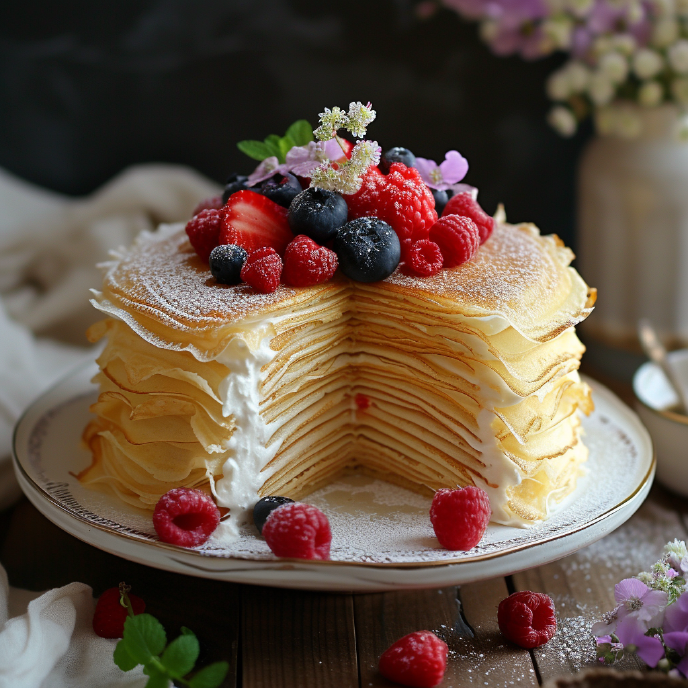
(427, 169)
(333, 150)
(677, 641)
(453, 168)
(465, 188)
(604, 639)
(676, 615)
(269, 167)
(650, 650)
(628, 588)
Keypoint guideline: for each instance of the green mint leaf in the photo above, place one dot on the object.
(273, 143)
(180, 655)
(286, 143)
(211, 676)
(187, 631)
(301, 132)
(157, 679)
(144, 637)
(122, 657)
(255, 149)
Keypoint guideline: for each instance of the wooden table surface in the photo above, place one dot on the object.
(287, 639)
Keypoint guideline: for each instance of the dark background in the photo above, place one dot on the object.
(88, 88)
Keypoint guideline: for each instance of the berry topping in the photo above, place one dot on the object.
(226, 261)
(418, 660)
(401, 199)
(110, 613)
(298, 531)
(262, 270)
(460, 517)
(281, 188)
(397, 154)
(212, 203)
(362, 401)
(235, 182)
(424, 258)
(185, 517)
(441, 199)
(306, 263)
(253, 221)
(458, 238)
(464, 204)
(368, 249)
(264, 507)
(203, 231)
(527, 618)
(318, 213)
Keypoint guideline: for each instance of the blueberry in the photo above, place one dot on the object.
(264, 507)
(368, 249)
(318, 214)
(397, 154)
(441, 199)
(235, 182)
(226, 261)
(280, 188)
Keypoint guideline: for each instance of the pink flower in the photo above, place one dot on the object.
(268, 168)
(631, 631)
(444, 175)
(678, 641)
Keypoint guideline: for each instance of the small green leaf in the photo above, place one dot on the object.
(211, 676)
(273, 143)
(181, 655)
(286, 143)
(122, 657)
(187, 631)
(144, 637)
(255, 149)
(301, 132)
(158, 680)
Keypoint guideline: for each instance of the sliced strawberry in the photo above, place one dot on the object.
(348, 147)
(253, 221)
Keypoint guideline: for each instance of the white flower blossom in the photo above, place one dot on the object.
(600, 89)
(558, 30)
(559, 85)
(580, 8)
(628, 123)
(348, 176)
(647, 63)
(664, 8)
(562, 120)
(624, 43)
(679, 89)
(678, 56)
(665, 32)
(650, 93)
(614, 66)
(635, 12)
(578, 76)
(355, 121)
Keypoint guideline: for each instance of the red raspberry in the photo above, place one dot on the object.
(458, 238)
(307, 263)
(185, 517)
(460, 516)
(425, 258)
(204, 232)
(464, 204)
(212, 203)
(262, 270)
(418, 659)
(110, 615)
(400, 198)
(298, 531)
(527, 618)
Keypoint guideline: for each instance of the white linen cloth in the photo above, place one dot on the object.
(49, 247)
(47, 641)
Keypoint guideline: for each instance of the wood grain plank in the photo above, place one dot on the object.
(478, 656)
(38, 555)
(582, 585)
(294, 639)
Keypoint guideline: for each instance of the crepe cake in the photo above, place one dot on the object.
(468, 377)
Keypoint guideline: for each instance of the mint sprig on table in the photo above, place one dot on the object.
(145, 642)
(299, 134)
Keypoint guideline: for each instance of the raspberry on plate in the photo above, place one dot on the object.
(110, 614)
(203, 231)
(298, 531)
(464, 204)
(458, 238)
(262, 270)
(185, 517)
(400, 198)
(425, 258)
(418, 660)
(527, 618)
(253, 221)
(460, 517)
(306, 263)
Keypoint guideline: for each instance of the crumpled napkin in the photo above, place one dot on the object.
(49, 247)
(47, 641)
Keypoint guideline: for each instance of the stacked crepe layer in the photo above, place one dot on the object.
(468, 377)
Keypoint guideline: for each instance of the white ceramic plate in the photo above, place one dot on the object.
(382, 537)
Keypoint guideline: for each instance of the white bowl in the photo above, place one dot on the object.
(669, 430)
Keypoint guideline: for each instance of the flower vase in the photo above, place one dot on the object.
(633, 230)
